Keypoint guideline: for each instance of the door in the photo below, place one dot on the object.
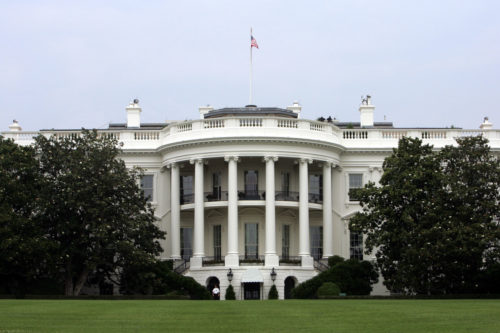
(251, 290)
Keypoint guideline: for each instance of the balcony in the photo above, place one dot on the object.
(251, 195)
(215, 196)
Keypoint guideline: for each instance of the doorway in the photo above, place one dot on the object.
(251, 290)
(212, 282)
(289, 285)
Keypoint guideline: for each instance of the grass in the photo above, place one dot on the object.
(351, 316)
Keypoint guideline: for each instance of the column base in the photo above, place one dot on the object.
(196, 262)
(232, 260)
(307, 261)
(272, 260)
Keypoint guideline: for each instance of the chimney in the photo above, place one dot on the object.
(366, 110)
(14, 127)
(295, 108)
(134, 114)
(204, 110)
(486, 125)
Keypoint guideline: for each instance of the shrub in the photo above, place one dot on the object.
(230, 293)
(273, 293)
(328, 290)
(334, 260)
(352, 276)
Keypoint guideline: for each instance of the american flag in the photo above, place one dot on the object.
(253, 42)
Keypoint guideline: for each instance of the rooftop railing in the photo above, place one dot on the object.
(264, 127)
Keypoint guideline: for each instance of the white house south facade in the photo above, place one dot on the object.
(257, 196)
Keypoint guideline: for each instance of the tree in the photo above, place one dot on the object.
(92, 208)
(432, 219)
(23, 245)
(230, 293)
(273, 293)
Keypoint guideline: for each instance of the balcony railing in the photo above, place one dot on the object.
(187, 198)
(290, 261)
(287, 196)
(216, 196)
(251, 195)
(315, 198)
(252, 259)
(213, 261)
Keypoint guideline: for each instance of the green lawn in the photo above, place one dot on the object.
(370, 316)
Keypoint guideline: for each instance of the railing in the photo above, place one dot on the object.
(184, 127)
(316, 127)
(215, 196)
(290, 261)
(182, 265)
(315, 198)
(433, 135)
(287, 123)
(320, 265)
(252, 195)
(187, 198)
(250, 122)
(213, 261)
(394, 134)
(287, 196)
(146, 136)
(214, 123)
(251, 259)
(355, 134)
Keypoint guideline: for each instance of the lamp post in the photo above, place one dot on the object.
(230, 276)
(273, 275)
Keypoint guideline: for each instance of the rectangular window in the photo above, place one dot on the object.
(186, 243)
(217, 242)
(285, 183)
(251, 185)
(187, 194)
(355, 183)
(315, 188)
(316, 238)
(251, 241)
(147, 186)
(216, 186)
(356, 245)
(285, 242)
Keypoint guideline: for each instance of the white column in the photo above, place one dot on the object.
(327, 210)
(175, 211)
(199, 215)
(271, 257)
(304, 248)
(231, 258)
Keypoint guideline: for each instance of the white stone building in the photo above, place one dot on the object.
(254, 194)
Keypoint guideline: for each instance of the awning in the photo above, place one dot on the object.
(252, 275)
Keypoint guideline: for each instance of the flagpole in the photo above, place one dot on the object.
(251, 74)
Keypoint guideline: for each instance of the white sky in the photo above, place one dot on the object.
(73, 64)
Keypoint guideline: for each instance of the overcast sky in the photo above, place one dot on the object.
(73, 64)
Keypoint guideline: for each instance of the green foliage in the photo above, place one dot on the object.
(328, 290)
(334, 260)
(230, 293)
(273, 293)
(92, 209)
(23, 247)
(432, 219)
(353, 277)
(157, 278)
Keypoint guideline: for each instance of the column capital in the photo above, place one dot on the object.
(231, 158)
(164, 168)
(174, 164)
(305, 160)
(198, 161)
(371, 169)
(269, 158)
(330, 164)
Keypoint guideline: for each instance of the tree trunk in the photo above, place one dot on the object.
(68, 282)
(81, 281)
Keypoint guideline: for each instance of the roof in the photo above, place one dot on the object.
(251, 110)
(145, 126)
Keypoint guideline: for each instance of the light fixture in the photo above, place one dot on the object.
(273, 275)
(230, 275)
